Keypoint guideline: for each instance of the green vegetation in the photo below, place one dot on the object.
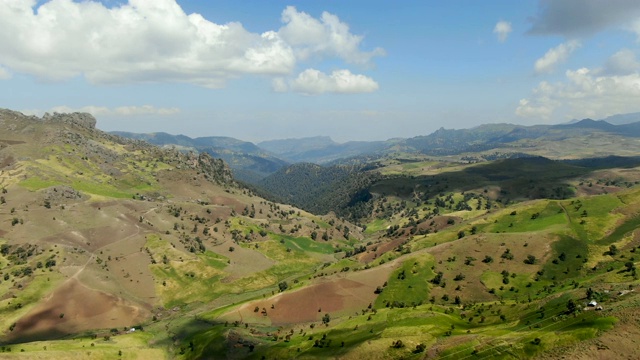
(303, 244)
(408, 285)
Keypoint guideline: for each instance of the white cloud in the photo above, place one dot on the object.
(122, 111)
(540, 110)
(144, 110)
(635, 27)
(583, 94)
(314, 82)
(555, 56)
(502, 30)
(622, 63)
(328, 36)
(156, 41)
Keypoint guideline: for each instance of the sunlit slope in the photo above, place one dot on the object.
(102, 234)
(476, 270)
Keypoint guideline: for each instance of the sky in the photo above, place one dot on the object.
(350, 69)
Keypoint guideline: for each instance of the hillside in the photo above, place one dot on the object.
(321, 149)
(320, 189)
(248, 162)
(115, 248)
(146, 235)
(493, 260)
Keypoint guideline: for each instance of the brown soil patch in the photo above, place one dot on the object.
(92, 239)
(83, 309)
(227, 201)
(585, 190)
(381, 249)
(337, 296)
(7, 161)
(12, 142)
(243, 261)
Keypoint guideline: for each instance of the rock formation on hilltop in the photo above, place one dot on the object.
(85, 120)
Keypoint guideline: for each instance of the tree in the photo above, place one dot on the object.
(325, 319)
(571, 306)
(437, 279)
(530, 260)
(590, 293)
(283, 286)
(487, 259)
(630, 265)
(507, 254)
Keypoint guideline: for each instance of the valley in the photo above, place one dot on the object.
(115, 248)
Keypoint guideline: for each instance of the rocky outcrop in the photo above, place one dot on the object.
(215, 170)
(84, 120)
(60, 193)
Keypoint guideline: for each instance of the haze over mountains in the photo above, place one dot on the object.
(253, 162)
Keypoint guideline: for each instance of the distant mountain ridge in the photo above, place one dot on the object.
(321, 149)
(252, 163)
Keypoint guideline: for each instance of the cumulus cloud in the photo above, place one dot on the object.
(144, 110)
(323, 37)
(314, 82)
(502, 30)
(555, 56)
(156, 41)
(583, 94)
(577, 18)
(622, 63)
(106, 111)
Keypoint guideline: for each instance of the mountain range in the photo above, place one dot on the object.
(252, 162)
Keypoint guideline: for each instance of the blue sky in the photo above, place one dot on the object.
(353, 70)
